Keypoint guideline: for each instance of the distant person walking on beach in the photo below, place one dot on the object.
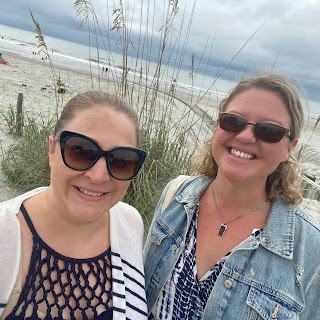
(73, 250)
(172, 87)
(232, 243)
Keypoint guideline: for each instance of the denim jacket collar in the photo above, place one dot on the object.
(278, 234)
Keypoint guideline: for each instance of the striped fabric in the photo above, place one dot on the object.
(128, 289)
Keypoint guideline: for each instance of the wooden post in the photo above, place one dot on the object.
(19, 114)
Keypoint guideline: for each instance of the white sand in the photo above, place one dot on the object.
(34, 79)
(28, 76)
(37, 74)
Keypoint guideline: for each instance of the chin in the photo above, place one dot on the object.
(87, 214)
(237, 175)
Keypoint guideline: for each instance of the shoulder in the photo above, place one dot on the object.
(126, 229)
(303, 217)
(292, 233)
(307, 230)
(125, 218)
(183, 189)
(293, 213)
(189, 186)
(298, 219)
(306, 240)
(10, 242)
(12, 206)
(125, 211)
(9, 224)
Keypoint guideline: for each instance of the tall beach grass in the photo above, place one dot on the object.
(169, 140)
(168, 136)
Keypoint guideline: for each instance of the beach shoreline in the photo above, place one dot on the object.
(33, 78)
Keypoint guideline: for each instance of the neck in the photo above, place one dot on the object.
(233, 212)
(55, 214)
(73, 239)
(239, 194)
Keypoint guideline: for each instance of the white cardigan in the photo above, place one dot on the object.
(126, 238)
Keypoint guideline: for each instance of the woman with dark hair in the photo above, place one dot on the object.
(73, 250)
(231, 243)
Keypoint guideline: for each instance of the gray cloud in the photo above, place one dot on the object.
(288, 35)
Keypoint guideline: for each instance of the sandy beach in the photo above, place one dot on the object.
(33, 78)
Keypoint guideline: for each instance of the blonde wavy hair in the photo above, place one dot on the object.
(284, 182)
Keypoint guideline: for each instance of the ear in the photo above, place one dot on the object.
(52, 148)
(290, 147)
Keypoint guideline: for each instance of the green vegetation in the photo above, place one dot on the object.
(26, 161)
(10, 118)
(167, 142)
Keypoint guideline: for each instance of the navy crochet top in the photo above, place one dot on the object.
(62, 288)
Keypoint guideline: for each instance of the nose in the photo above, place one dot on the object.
(99, 172)
(247, 135)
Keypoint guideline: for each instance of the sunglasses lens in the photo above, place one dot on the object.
(269, 132)
(231, 122)
(79, 153)
(123, 163)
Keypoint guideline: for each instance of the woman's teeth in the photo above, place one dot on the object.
(241, 155)
(89, 193)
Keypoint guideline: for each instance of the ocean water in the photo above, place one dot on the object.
(71, 55)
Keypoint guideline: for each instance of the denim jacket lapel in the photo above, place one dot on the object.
(278, 234)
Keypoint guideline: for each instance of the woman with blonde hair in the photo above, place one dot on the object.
(232, 243)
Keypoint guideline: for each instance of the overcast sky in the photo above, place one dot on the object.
(288, 36)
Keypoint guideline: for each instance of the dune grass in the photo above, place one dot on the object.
(25, 163)
(169, 141)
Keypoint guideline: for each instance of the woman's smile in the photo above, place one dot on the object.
(89, 193)
(240, 154)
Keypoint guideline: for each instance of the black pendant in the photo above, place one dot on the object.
(222, 229)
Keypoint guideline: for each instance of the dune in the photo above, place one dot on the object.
(33, 78)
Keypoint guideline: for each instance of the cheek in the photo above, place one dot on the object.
(216, 136)
(58, 170)
(122, 187)
(220, 137)
(125, 185)
(276, 153)
(214, 144)
(52, 161)
(55, 160)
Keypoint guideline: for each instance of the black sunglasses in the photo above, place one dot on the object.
(80, 153)
(265, 131)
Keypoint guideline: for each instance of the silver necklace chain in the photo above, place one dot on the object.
(223, 226)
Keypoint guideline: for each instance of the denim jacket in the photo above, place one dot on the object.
(275, 276)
